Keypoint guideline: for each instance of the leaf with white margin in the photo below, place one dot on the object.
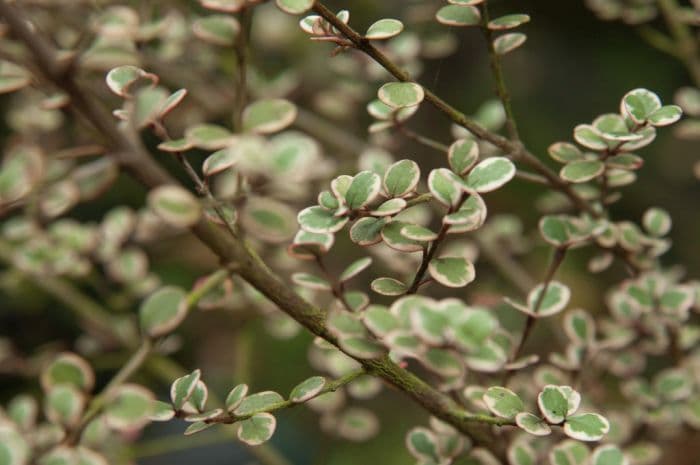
(355, 268)
(219, 161)
(521, 453)
(384, 29)
(121, 78)
(508, 42)
(389, 208)
(452, 271)
(391, 234)
(258, 402)
(319, 220)
(367, 231)
(269, 115)
(175, 205)
(555, 299)
(209, 136)
(490, 174)
(182, 388)
(162, 311)
(445, 186)
(532, 424)
(64, 405)
(363, 189)
(586, 427)
(665, 115)
(564, 152)
(307, 389)
(401, 178)
(388, 286)
(130, 408)
(423, 444)
(582, 170)
(295, 7)
(462, 155)
(508, 22)
(418, 233)
(257, 429)
(580, 327)
(217, 29)
(68, 368)
(553, 403)
(401, 94)
(608, 454)
(589, 137)
(161, 411)
(657, 221)
(639, 104)
(503, 402)
(458, 15)
(235, 397)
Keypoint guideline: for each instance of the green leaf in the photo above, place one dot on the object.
(508, 22)
(640, 104)
(163, 311)
(257, 429)
(354, 269)
(182, 388)
(367, 231)
(521, 453)
(391, 234)
(379, 320)
(423, 445)
(401, 94)
(295, 7)
(458, 15)
(452, 271)
(311, 281)
(121, 78)
(445, 186)
(64, 405)
(268, 219)
(209, 136)
(532, 424)
(219, 161)
(553, 403)
(491, 174)
(554, 301)
(23, 410)
(582, 170)
(608, 454)
(363, 189)
(175, 205)
(268, 116)
(503, 402)
(586, 427)
(665, 115)
(401, 178)
(384, 29)
(319, 220)
(508, 42)
(198, 399)
(217, 29)
(68, 368)
(470, 216)
(130, 408)
(657, 222)
(389, 208)
(388, 286)
(580, 327)
(258, 402)
(235, 397)
(564, 152)
(418, 233)
(197, 427)
(161, 411)
(149, 102)
(463, 155)
(589, 137)
(307, 389)
(176, 145)
(360, 347)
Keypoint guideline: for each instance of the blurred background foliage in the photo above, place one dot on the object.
(572, 68)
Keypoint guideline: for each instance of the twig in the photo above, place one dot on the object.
(497, 71)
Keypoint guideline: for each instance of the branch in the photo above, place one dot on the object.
(514, 148)
(686, 44)
(248, 264)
